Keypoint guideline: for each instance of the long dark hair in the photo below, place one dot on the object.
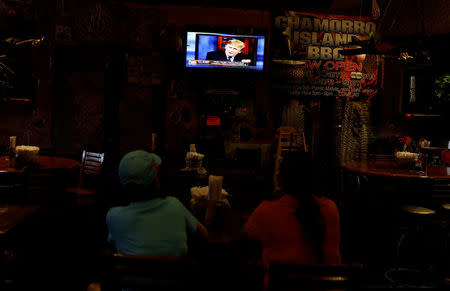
(296, 176)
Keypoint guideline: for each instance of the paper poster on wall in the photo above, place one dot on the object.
(309, 46)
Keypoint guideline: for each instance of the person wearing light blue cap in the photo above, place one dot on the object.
(152, 224)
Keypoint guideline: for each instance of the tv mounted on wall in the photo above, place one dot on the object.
(211, 48)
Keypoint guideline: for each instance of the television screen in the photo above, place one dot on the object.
(223, 50)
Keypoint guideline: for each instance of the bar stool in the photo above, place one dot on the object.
(445, 228)
(414, 264)
(416, 232)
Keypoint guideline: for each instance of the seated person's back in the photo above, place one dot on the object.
(154, 227)
(298, 227)
(151, 224)
(284, 238)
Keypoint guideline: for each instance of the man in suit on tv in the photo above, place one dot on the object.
(231, 53)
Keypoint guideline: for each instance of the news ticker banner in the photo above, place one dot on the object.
(315, 40)
(243, 63)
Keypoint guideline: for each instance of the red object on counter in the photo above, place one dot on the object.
(445, 156)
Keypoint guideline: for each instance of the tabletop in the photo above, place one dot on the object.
(13, 214)
(45, 162)
(389, 168)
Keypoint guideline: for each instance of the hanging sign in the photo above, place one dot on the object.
(315, 41)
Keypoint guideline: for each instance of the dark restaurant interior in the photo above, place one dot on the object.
(360, 87)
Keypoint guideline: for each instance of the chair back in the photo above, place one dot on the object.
(284, 276)
(289, 140)
(146, 272)
(91, 163)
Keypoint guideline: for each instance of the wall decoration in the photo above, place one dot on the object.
(79, 118)
(63, 32)
(307, 59)
(143, 27)
(134, 69)
(136, 132)
(94, 22)
(145, 70)
(182, 122)
(355, 132)
(36, 128)
(63, 28)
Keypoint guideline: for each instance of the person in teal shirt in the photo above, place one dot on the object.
(151, 224)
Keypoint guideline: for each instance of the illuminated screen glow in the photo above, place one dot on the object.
(198, 44)
(213, 121)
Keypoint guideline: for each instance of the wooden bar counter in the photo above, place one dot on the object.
(372, 195)
(389, 168)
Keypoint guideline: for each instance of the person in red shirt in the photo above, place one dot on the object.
(299, 227)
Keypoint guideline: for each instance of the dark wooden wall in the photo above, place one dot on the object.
(71, 110)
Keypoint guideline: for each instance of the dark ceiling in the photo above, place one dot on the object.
(262, 4)
(349, 7)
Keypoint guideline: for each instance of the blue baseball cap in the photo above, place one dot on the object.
(138, 167)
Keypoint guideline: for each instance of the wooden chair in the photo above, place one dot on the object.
(289, 139)
(146, 272)
(91, 165)
(283, 276)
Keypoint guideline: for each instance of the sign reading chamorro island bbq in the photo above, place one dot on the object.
(317, 39)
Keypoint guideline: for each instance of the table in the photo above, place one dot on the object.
(45, 162)
(388, 168)
(50, 173)
(15, 214)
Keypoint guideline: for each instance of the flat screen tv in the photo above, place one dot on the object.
(210, 49)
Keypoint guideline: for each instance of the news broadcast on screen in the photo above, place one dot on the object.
(219, 50)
